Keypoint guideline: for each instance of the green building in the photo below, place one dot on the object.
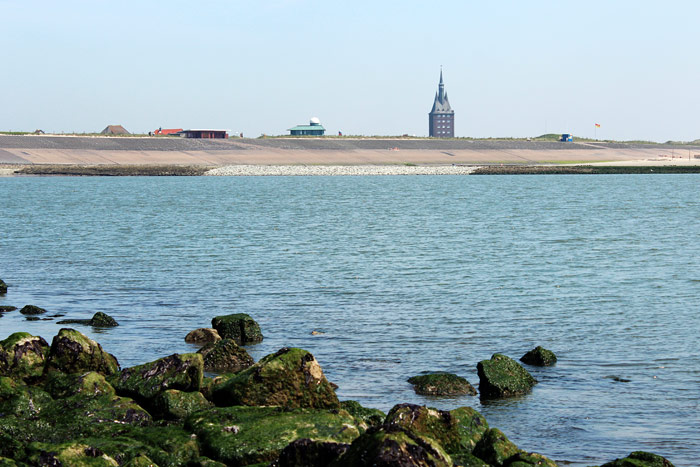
(314, 128)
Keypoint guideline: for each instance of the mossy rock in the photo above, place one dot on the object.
(539, 356)
(202, 336)
(74, 352)
(495, 448)
(141, 461)
(19, 400)
(289, 378)
(503, 377)
(457, 431)
(3, 287)
(98, 320)
(90, 384)
(32, 310)
(144, 382)
(72, 453)
(240, 327)
(6, 462)
(7, 308)
(640, 459)
(23, 356)
(225, 356)
(529, 459)
(309, 453)
(391, 445)
(176, 405)
(368, 417)
(441, 384)
(250, 435)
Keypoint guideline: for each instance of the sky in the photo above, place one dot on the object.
(511, 68)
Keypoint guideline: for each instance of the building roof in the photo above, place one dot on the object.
(441, 103)
(114, 130)
(308, 127)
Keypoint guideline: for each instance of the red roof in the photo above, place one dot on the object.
(167, 131)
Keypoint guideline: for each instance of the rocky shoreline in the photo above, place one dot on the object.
(70, 403)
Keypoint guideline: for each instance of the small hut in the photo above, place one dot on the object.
(114, 130)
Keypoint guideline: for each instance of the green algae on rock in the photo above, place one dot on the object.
(202, 335)
(71, 453)
(288, 378)
(32, 310)
(145, 382)
(225, 356)
(368, 417)
(529, 459)
(457, 431)
(3, 287)
(309, 453)
(240, 327)
(250, 435)
(495, 448)
(7, 308)
(441, 384)
(640, 459)
(90, 384)
(23, 356)
(98, 320)
(539, 356)
(172, 404)
(392, 445)
(20, 400)
(74, 352)
(503, 377)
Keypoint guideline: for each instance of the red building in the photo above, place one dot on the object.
(167, 131)
(204, 134)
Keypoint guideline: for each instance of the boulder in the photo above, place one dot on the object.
(144, 382)
(529, 459)
(172, 404)
(21, 401)
(72, 453)
(99, 320)
(309, 453)
(495, 448)
(7, 308)
(90, 384)
(240, 327)
(23, 356)
(202, 336)
(73, 352)
(251, 435)
(503, 377)
(225, 356)
(3, 287)
(457, 431)
(368, 417)
(289, 378)
(441, 384)
(640, 459)
(539, 356)
(391, 445)
(32, 310)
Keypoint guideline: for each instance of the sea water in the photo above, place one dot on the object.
(399, 276)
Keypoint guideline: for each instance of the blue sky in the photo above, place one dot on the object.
(511, 68)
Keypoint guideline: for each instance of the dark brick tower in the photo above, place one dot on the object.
(441, 119)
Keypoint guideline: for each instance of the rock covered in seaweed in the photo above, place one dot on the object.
(392, 445)
(368, 417)
(74, 352)
(441, 384)
(202, 336)
(640, 459)
(32, 310)
(529, 459)
(539, 356)
(310, 453)
(23, 356)
(457, 431)
(252, 435)
(99, 320)
(503, 377)
(495, 448)
(3, 287)
(7, 308)
(225, 356)
(288, 378)
(144, 382)
(240, 327)
(172, 404)
(90, 384)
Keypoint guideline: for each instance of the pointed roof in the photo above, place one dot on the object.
(441, 104)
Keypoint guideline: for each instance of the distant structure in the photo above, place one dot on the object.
(314, 128)
(167, 131)
(206, 134)
(441, 119)
(114, 130)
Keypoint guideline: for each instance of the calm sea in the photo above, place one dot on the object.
(402, 275)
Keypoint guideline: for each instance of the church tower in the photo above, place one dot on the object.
(441, 119)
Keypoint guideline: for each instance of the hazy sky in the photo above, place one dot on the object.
(511, 68)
